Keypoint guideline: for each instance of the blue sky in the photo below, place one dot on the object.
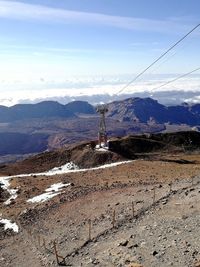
(47, 44)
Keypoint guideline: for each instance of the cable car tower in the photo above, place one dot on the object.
(102, 134)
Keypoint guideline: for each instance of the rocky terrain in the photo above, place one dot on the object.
(139, 210)
(33, 128)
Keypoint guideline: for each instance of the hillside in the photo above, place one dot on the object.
(142, 207)
(85, 155)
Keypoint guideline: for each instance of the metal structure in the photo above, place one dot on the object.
(102, 134)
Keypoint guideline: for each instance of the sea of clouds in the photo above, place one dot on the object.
(102, 90)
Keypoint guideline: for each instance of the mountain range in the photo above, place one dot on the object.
(45, 109)
(148, 110)
(33, 128)
(143, 110)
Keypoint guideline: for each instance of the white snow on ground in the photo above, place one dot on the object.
(69, 167)
(108, 165)
(13, 192)
(52, 191)
(63, 171)
(9, 225)
(64, 168)
(43, 197)
(56, 187)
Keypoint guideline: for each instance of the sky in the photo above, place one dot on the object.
(70, 48)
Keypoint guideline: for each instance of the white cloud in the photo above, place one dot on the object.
(23, 11)
(97, 89)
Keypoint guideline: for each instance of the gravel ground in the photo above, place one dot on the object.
(164, 235)
(159, 235)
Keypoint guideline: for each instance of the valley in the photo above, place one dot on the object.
(33, 128)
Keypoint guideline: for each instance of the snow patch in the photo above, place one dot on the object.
(56, 187)
(51, 192)
(5, 181)
(42, 198)
(69, 167)
(9, 225)
(114, 164)
(64, 168)
(13, 193)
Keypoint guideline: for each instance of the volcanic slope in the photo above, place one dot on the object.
(143, 210)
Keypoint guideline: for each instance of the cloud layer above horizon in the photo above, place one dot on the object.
(104, 89)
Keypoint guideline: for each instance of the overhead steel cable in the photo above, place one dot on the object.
(177, 78)
(154, 62)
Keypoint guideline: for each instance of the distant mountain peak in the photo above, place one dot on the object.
(44, 109)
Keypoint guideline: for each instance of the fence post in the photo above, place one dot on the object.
(113, 219)
(89, 229)
(170, 187)
(154, 195)
(55, 250)
(44, 243)
(133, 209)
